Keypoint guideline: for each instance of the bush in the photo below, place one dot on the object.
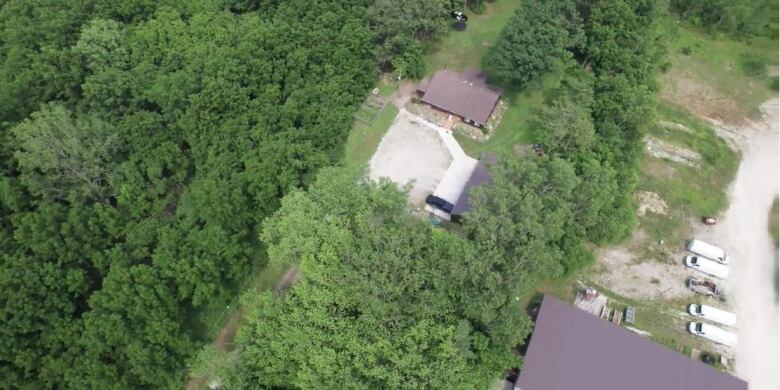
(478, 7)
(773, 83)
(753, 67)
(686, 50)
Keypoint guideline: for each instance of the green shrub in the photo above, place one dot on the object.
(476, 6)
(773, 83)
(753, 66)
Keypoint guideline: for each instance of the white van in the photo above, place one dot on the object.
(712, 314)
(707, 250)
(707, 266)
(712, 333)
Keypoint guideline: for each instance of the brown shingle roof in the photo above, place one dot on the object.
(469, 98)
(572, 349)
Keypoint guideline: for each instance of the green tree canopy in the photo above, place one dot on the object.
(535, 40)
(735, 17)
(400, 27)
(158, 134)
(522, 215)
(62, 157)
(383, 300)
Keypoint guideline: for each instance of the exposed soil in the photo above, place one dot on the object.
(664, 150)
(223, 343)
(290, 277)
(224, 340)
(625, 272)
(650, 201)
(699, 98)
(405, 91)
(675, 126)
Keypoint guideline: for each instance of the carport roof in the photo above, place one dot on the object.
(572, 349)
(480, 176)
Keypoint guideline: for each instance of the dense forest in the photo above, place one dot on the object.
(155, 153)
(142, 144)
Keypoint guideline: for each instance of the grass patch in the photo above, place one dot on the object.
(386, 88)
(735, 69)
(564, 288)
(669, 229)
(696, 190)
(665, 320)
(689, 192)
(774, 221)
(363, 139)
(515, 127)
(463, 49)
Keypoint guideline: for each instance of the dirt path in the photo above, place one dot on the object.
(224, 340)
(743, 233)
(400, 97)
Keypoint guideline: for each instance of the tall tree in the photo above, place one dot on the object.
(402, 27)
(61, 157)
(383, 300)
(625, 51)
(535, 40)
(521, 216)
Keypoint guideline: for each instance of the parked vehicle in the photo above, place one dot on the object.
(706, 287)
(713, 314)
(709, 251)
(709, 220)
(708, 358)
(439, 203)
(459, 16)
(707, 266)
(712, 333)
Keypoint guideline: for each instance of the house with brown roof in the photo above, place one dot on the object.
(573, 349)
(466, 95)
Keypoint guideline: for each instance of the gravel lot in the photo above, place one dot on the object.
(751, 287)
(411, 152)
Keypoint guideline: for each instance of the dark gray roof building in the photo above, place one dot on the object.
(466, 95)
(571, 349)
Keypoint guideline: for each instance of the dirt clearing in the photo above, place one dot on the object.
(699, 97)
(411, 152)
(650, 202)
(627, 273)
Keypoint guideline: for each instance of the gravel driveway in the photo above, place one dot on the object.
(751, 287)
(411, 152)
